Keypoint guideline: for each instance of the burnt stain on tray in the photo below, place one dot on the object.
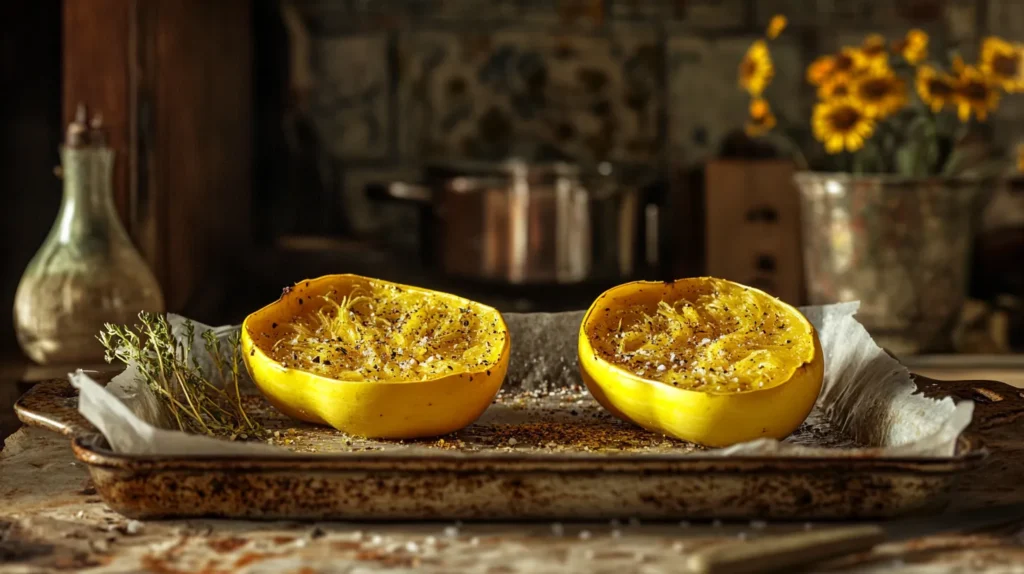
(532, 455)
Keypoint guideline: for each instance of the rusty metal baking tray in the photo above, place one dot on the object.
(532, 456)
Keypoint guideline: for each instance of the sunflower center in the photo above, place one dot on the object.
(844, 118)
(975, 91)
(874, 90)
(748, 68)
(843, 63)
(841, 90)
(1005, 65)
(940, 89)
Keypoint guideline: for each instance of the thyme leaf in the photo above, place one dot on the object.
(171, 369)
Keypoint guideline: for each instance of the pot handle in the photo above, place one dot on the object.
(399, 191)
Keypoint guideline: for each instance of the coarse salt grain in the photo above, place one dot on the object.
(584, 535)
(133, 527)
(557, 529)
(451, 531)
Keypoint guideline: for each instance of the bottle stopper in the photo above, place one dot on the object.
(77, 132)
(83, 131)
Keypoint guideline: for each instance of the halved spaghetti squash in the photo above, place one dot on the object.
(377, 359)
(705, 360)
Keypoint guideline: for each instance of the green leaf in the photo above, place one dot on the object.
(918, 156)
(906, 157)
(869, 158)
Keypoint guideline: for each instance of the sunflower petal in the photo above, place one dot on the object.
(776, 26)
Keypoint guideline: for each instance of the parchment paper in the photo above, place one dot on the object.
(867, 394)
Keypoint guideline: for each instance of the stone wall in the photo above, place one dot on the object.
(389, 84)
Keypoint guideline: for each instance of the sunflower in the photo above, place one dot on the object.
(1020, 158)
(873, 50)
(913, 47)
(879, 92)
(1003, 63)
(841, 124)
(756, 69)
(935, 88)
(849, 62)
(835, 88)
(776, 26)
(976, 93)
(761, 120)
(819, 71)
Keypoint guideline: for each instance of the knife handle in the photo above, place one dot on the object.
(773, 553)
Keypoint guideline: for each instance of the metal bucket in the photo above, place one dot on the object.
(900, 246)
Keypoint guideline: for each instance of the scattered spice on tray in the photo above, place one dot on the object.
(573, 436)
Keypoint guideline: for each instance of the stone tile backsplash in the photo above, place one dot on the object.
(391, 84)
(350, 101)
(532, 94)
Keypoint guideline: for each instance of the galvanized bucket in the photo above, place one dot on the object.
(900, 246)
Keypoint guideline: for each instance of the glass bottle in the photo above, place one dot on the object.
(87, 271)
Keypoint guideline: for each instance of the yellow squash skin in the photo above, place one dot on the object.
(377, 409)
(710, 419)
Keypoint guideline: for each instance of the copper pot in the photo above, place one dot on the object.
(520, 223)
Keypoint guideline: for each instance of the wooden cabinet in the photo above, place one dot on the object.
(173, 80)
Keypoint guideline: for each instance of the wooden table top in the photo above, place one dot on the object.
(53, 520)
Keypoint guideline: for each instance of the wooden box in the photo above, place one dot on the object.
(752, 226)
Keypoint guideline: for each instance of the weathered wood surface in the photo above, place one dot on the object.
(51, 519)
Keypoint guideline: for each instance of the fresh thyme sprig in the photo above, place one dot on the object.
(171, 369)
